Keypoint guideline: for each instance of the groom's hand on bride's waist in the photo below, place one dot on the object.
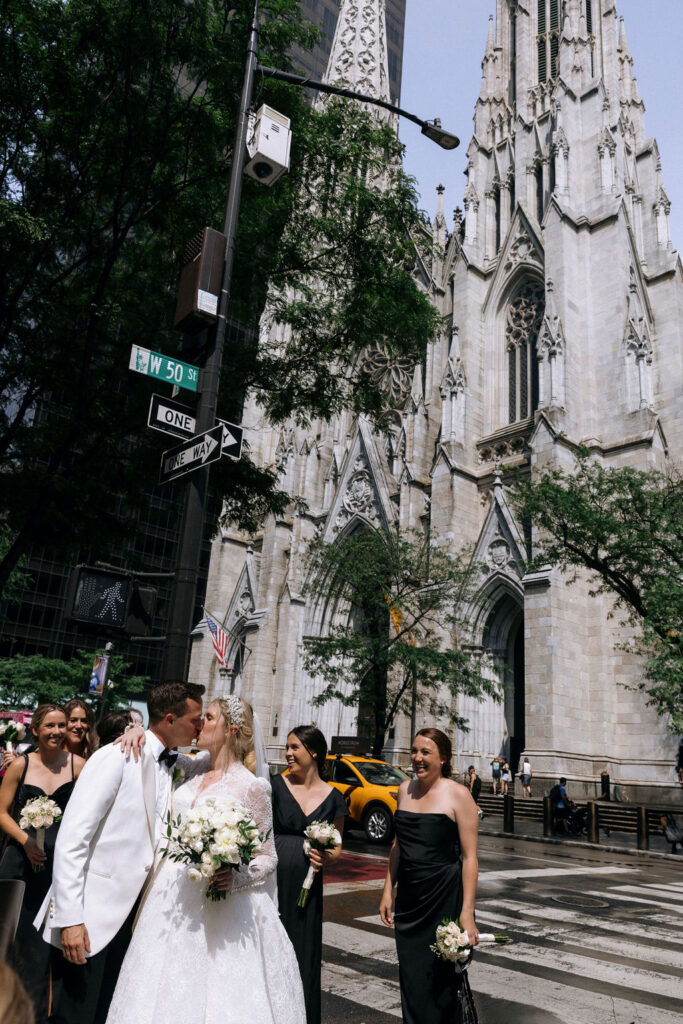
(75, 943)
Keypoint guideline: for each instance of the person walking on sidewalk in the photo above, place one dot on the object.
(525, 776)
(474, 786)
(496, 773)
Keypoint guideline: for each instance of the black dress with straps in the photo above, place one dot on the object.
(429, 889)
(304, 925)
(30, 953)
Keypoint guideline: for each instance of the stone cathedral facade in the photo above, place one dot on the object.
(564, 298)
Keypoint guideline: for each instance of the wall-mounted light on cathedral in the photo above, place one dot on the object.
(434, 131)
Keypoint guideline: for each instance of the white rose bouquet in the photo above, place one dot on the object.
(320, 835)
(39, 814)
(11, 733)
(453, 944)
(215, 834)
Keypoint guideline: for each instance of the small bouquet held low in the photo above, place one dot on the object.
(453, 944)
(39, 814)
(215, 834)
(11, 733)
(320, 835)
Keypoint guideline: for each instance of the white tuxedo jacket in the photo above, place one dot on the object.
(105, 847)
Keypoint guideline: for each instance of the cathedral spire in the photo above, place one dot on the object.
(488, 65)
(358, 58)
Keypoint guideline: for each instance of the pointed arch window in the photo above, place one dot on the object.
(548, 38)
(522, 324)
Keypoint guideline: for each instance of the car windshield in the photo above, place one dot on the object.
(381, 774)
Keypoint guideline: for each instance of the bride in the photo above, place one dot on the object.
(206, 962)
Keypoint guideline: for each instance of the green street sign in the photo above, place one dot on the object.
(153, 364)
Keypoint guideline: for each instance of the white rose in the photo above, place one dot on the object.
(206, 858)
(231, 854)
(194, 829)
(197, 846)
(194, 874)
(206, 870)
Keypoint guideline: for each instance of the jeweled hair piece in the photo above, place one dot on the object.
(235, 709)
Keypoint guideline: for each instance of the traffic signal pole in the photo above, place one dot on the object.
(176, 653)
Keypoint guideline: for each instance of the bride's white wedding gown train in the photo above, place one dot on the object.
(200, 962)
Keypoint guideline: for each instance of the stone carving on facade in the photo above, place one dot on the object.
(505, 448)
(285, 450)
(550, 349)
(522, 250)
(359, 52)
(392, 374)
(498, 554)
(453, 389)
(638, 352)
(359, 498)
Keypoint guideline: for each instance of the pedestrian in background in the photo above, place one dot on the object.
(113, 725)
(525, 776)
(496, 773)
(505, 778)
(474, 786)
(301, 797)
(50, 771)
(433, 865)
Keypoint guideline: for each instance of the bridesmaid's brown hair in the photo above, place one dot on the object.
(443, 745)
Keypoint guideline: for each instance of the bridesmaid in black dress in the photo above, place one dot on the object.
(50, 770)
(433, 864)
(299, 798)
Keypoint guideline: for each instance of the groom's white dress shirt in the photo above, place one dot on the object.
(164, 776)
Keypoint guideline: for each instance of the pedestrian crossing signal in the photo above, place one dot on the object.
(110, 599)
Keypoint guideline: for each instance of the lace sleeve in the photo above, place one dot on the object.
(190, 766)
(257, 799)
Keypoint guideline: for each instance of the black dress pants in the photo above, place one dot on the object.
(82, 993)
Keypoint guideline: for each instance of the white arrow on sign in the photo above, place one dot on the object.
(191, 455)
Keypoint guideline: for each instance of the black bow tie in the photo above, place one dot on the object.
(169, 756)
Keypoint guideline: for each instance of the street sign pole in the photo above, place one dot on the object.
(176, 652)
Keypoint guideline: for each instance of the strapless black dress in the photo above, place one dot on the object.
(429, 889)
(30, 954)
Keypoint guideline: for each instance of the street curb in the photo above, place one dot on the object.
(554, 841)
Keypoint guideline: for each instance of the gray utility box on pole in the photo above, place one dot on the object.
(200, 281)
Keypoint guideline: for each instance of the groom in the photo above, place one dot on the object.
(105, 852)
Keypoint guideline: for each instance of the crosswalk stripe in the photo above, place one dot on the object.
(360, 942)
(561, 871)
(375, 993)
(628, 899)
(675, 898)
(577, 1006)
(578, 938)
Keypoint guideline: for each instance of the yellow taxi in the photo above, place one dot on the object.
(370, 789)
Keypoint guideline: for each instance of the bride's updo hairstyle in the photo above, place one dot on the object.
(443, 745)
(315, 743)
(236, 711)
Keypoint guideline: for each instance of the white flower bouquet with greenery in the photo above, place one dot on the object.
(320, 835)
(11, 733)
(39, 814)
(214, 834)
(453, 944)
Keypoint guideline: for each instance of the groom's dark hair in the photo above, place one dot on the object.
(170, 699)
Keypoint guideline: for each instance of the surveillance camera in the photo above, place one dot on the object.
(268, 145)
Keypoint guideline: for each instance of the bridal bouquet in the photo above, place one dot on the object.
(215, 834)
(320, 835)
(11, 733)
(454, 945)
(39, 814)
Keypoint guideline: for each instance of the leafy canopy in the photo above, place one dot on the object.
(395, 640)
(29, 680)
(625, 526)
(115, 134)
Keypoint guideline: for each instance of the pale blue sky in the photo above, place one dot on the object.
(445, 41)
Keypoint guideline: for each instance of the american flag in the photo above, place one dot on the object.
(219, 638)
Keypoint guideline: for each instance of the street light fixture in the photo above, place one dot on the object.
(176, 649)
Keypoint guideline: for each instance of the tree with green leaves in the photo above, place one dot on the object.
(29, 680)
(625, 528)
(396, 641)
(115, 134)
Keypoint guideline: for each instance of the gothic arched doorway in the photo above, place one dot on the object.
(503, 640)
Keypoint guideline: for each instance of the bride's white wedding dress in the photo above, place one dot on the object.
(201, 962)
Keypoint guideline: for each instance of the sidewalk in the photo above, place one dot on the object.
(615, 842)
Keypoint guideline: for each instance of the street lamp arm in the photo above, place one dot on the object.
(432, 129)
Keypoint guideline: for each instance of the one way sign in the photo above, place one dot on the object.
(192, 454)
(231, 444)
